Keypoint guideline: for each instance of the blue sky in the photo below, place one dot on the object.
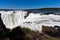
(22, 4)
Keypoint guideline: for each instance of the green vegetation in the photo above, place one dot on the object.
(50, 9)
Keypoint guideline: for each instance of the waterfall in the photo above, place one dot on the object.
(31, 20)
(12, 19)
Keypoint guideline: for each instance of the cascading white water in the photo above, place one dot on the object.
(11, 19)
(33, 21)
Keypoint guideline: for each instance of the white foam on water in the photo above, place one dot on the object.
(33, 21)
(11, 19)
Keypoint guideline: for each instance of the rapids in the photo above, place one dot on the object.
(33, 21)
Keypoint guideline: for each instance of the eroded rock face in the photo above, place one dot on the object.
(3, 30)
(2, 26)
(1, 22)
(28, 12)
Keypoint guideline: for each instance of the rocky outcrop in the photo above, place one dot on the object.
(1, 22)
(32, 35)
(3, 30)
(28, 12)
(52, 31)
(19, 33)
(2, 26)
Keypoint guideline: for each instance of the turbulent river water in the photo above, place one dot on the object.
(33, 21)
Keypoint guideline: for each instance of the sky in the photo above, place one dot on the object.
(28, 4)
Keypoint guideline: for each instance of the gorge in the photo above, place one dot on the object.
(29, 19)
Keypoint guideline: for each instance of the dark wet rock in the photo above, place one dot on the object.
(28, 12)
(57, 27)
(17, 33)
(24, 34)
(1, 22)
(51, 31)
(2, 26)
